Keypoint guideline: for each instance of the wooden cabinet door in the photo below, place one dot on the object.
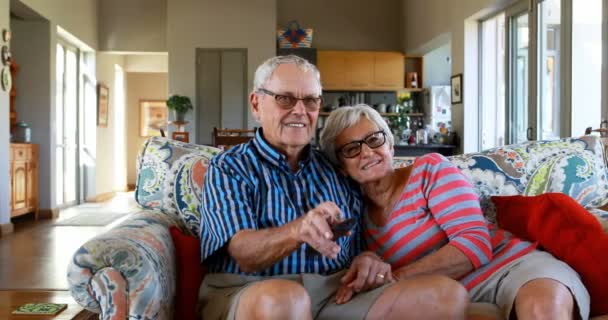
(389, 70)
(360, 69)
(332, 66)
(19, 180)
(32, 185)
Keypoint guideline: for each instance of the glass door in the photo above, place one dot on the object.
(548, 69)
(66, 127)
(518, 75)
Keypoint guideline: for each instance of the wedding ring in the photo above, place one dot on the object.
(381, 276)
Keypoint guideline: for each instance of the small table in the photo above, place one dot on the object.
(10, 300)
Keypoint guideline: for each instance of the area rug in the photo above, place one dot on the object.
(92, 218)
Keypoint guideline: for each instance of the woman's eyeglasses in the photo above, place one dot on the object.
(287, 102)
(353, 149)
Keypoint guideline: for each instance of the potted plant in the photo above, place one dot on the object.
(180, 105)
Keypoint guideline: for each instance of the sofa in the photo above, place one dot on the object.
(130, 270)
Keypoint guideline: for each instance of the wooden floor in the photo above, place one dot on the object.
(36, 255)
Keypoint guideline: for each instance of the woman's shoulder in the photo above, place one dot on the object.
(431, 159)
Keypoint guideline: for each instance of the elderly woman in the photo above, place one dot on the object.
(426, 219)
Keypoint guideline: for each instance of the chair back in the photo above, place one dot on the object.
(226, 138)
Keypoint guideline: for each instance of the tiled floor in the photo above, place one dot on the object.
(36, 255)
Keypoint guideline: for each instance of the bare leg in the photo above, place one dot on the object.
(544, 299)
(424, 297)
(274, 299)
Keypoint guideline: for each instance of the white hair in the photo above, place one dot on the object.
(345, 117)
(266, 69)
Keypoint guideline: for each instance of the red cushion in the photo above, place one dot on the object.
(190, 273)
(566, 230)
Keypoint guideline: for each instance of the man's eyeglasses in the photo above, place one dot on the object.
(287, 102)
(353, 149)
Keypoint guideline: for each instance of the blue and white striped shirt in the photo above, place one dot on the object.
(251, 186)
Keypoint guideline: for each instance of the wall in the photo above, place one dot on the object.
(192, 24)
(109, 138)
(33, 52)
(5, 215)
(140, 86)
(437, 67)
(134, 25)
(62, 12)
(347, 24)
(147, 63)
(427, 25)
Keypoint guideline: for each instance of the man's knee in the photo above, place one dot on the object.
(544, 299)
(274, 299)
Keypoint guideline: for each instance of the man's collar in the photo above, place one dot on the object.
(271, 154)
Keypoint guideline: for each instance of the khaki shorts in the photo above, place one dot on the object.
(502, 286)
(220, 292)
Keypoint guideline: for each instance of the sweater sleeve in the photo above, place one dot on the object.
(454, 204)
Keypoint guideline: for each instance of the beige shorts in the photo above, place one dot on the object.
(502, 286)
(220, 292)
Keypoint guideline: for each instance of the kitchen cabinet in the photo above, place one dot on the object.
(332, 66)
(361, 70)
(24, 178)
(388, 70)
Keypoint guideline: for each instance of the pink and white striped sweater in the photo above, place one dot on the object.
(438, 206)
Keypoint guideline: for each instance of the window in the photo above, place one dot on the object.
(492, 80)
(586, 63)
(552, 72)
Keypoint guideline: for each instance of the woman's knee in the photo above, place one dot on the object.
(276, 299)
(438, 297)
(453, 293)
(544, 299)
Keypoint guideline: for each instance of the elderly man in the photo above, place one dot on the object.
(267, 215)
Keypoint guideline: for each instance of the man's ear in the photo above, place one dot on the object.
(254, 103)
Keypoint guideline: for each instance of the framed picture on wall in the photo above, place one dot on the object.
(153, 117)
(456, 82)
(103, 100)
(181, 136)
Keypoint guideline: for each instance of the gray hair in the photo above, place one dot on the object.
(345, 117)
(266, 69)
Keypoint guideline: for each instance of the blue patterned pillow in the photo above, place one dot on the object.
(170, 178)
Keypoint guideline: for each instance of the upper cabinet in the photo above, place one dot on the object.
(332, 66)
(361, 70)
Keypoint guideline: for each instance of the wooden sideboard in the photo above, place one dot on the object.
(24, 178)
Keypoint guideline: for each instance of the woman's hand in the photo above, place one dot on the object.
(366, 272)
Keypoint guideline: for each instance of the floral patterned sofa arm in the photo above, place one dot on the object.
(127, 272)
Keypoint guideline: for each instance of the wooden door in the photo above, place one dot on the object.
(389, 70)
(360, 69)
(19, 188)
(332, 66)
